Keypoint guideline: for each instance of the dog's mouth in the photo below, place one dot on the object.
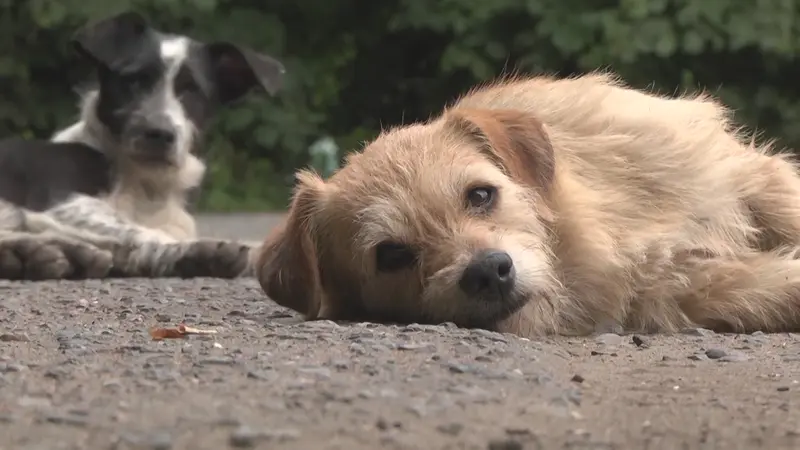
(147, 153)
(486, 312)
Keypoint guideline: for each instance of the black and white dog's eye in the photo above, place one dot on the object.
(481, 198)
(393, 256)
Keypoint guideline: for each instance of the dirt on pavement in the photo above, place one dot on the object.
(78, 370)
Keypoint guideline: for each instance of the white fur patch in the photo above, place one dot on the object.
(174, 51)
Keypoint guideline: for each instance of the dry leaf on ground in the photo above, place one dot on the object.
(178, 332)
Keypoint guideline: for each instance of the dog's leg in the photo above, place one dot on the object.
(29, 256)
(143, 252)
(35, 247)
(754, 292)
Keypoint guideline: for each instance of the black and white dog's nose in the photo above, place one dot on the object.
(159, 136)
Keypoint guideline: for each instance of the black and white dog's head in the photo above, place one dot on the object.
(158, 91)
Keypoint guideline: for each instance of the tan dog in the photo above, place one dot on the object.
(550, 206)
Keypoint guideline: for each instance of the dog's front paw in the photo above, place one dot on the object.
(87, 261)
(34, 258)
(217, 259)
(31, 258)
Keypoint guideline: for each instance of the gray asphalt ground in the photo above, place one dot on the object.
(78, 370)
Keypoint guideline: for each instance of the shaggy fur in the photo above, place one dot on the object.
(590, 203)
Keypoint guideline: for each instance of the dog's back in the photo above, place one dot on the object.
(37, 174)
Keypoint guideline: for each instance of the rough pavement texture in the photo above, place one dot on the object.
(78, 370)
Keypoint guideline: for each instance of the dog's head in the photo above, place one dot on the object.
(445, 221)
(158, 91)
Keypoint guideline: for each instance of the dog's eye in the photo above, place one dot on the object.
(481, 198)
(393, 256)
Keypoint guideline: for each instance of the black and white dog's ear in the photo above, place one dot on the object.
(112, 38)
(237, 70)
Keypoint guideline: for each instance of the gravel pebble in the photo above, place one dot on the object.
(14, 337)
(243, 437)
(67, 419)
(610, 339)
(639, 341)
(715, 353)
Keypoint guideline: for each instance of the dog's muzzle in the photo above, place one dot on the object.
(155, 139)
(490, 276)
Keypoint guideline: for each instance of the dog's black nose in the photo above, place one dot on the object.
(161, 137)
(491, 273)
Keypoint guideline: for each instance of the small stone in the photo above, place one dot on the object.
(67, 419)
(224, 361)
(12, 337)
(697, 332)
(715, 353)
(577, 378)
(320, 372)
(382, 424)
(783, 388)
(460, 368)
(639, 341)
(452, 429)
(261, 375)
(608, 339)
(341, 364)
(243, 437)
(83, 302)
(504, 444)
(413, 346)
(11, 367)
(56, 373)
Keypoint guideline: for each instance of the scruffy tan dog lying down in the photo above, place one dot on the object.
(546, 205)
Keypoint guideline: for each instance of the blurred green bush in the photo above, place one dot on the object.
(354, 67)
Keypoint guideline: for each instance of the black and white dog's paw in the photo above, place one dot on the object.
(212, 258)
(36, 258)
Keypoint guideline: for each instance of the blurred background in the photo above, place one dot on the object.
(354, 66)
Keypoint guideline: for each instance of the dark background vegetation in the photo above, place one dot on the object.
(354, 66)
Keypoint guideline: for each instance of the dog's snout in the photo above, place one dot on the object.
(160, 136)
(490, 273)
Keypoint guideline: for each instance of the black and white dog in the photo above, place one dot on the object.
(123, 209)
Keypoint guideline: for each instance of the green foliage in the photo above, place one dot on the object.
(356, 67)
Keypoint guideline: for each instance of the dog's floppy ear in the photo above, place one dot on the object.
(112, 39)
(516, 141)
(287, 265)
(236, 70)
